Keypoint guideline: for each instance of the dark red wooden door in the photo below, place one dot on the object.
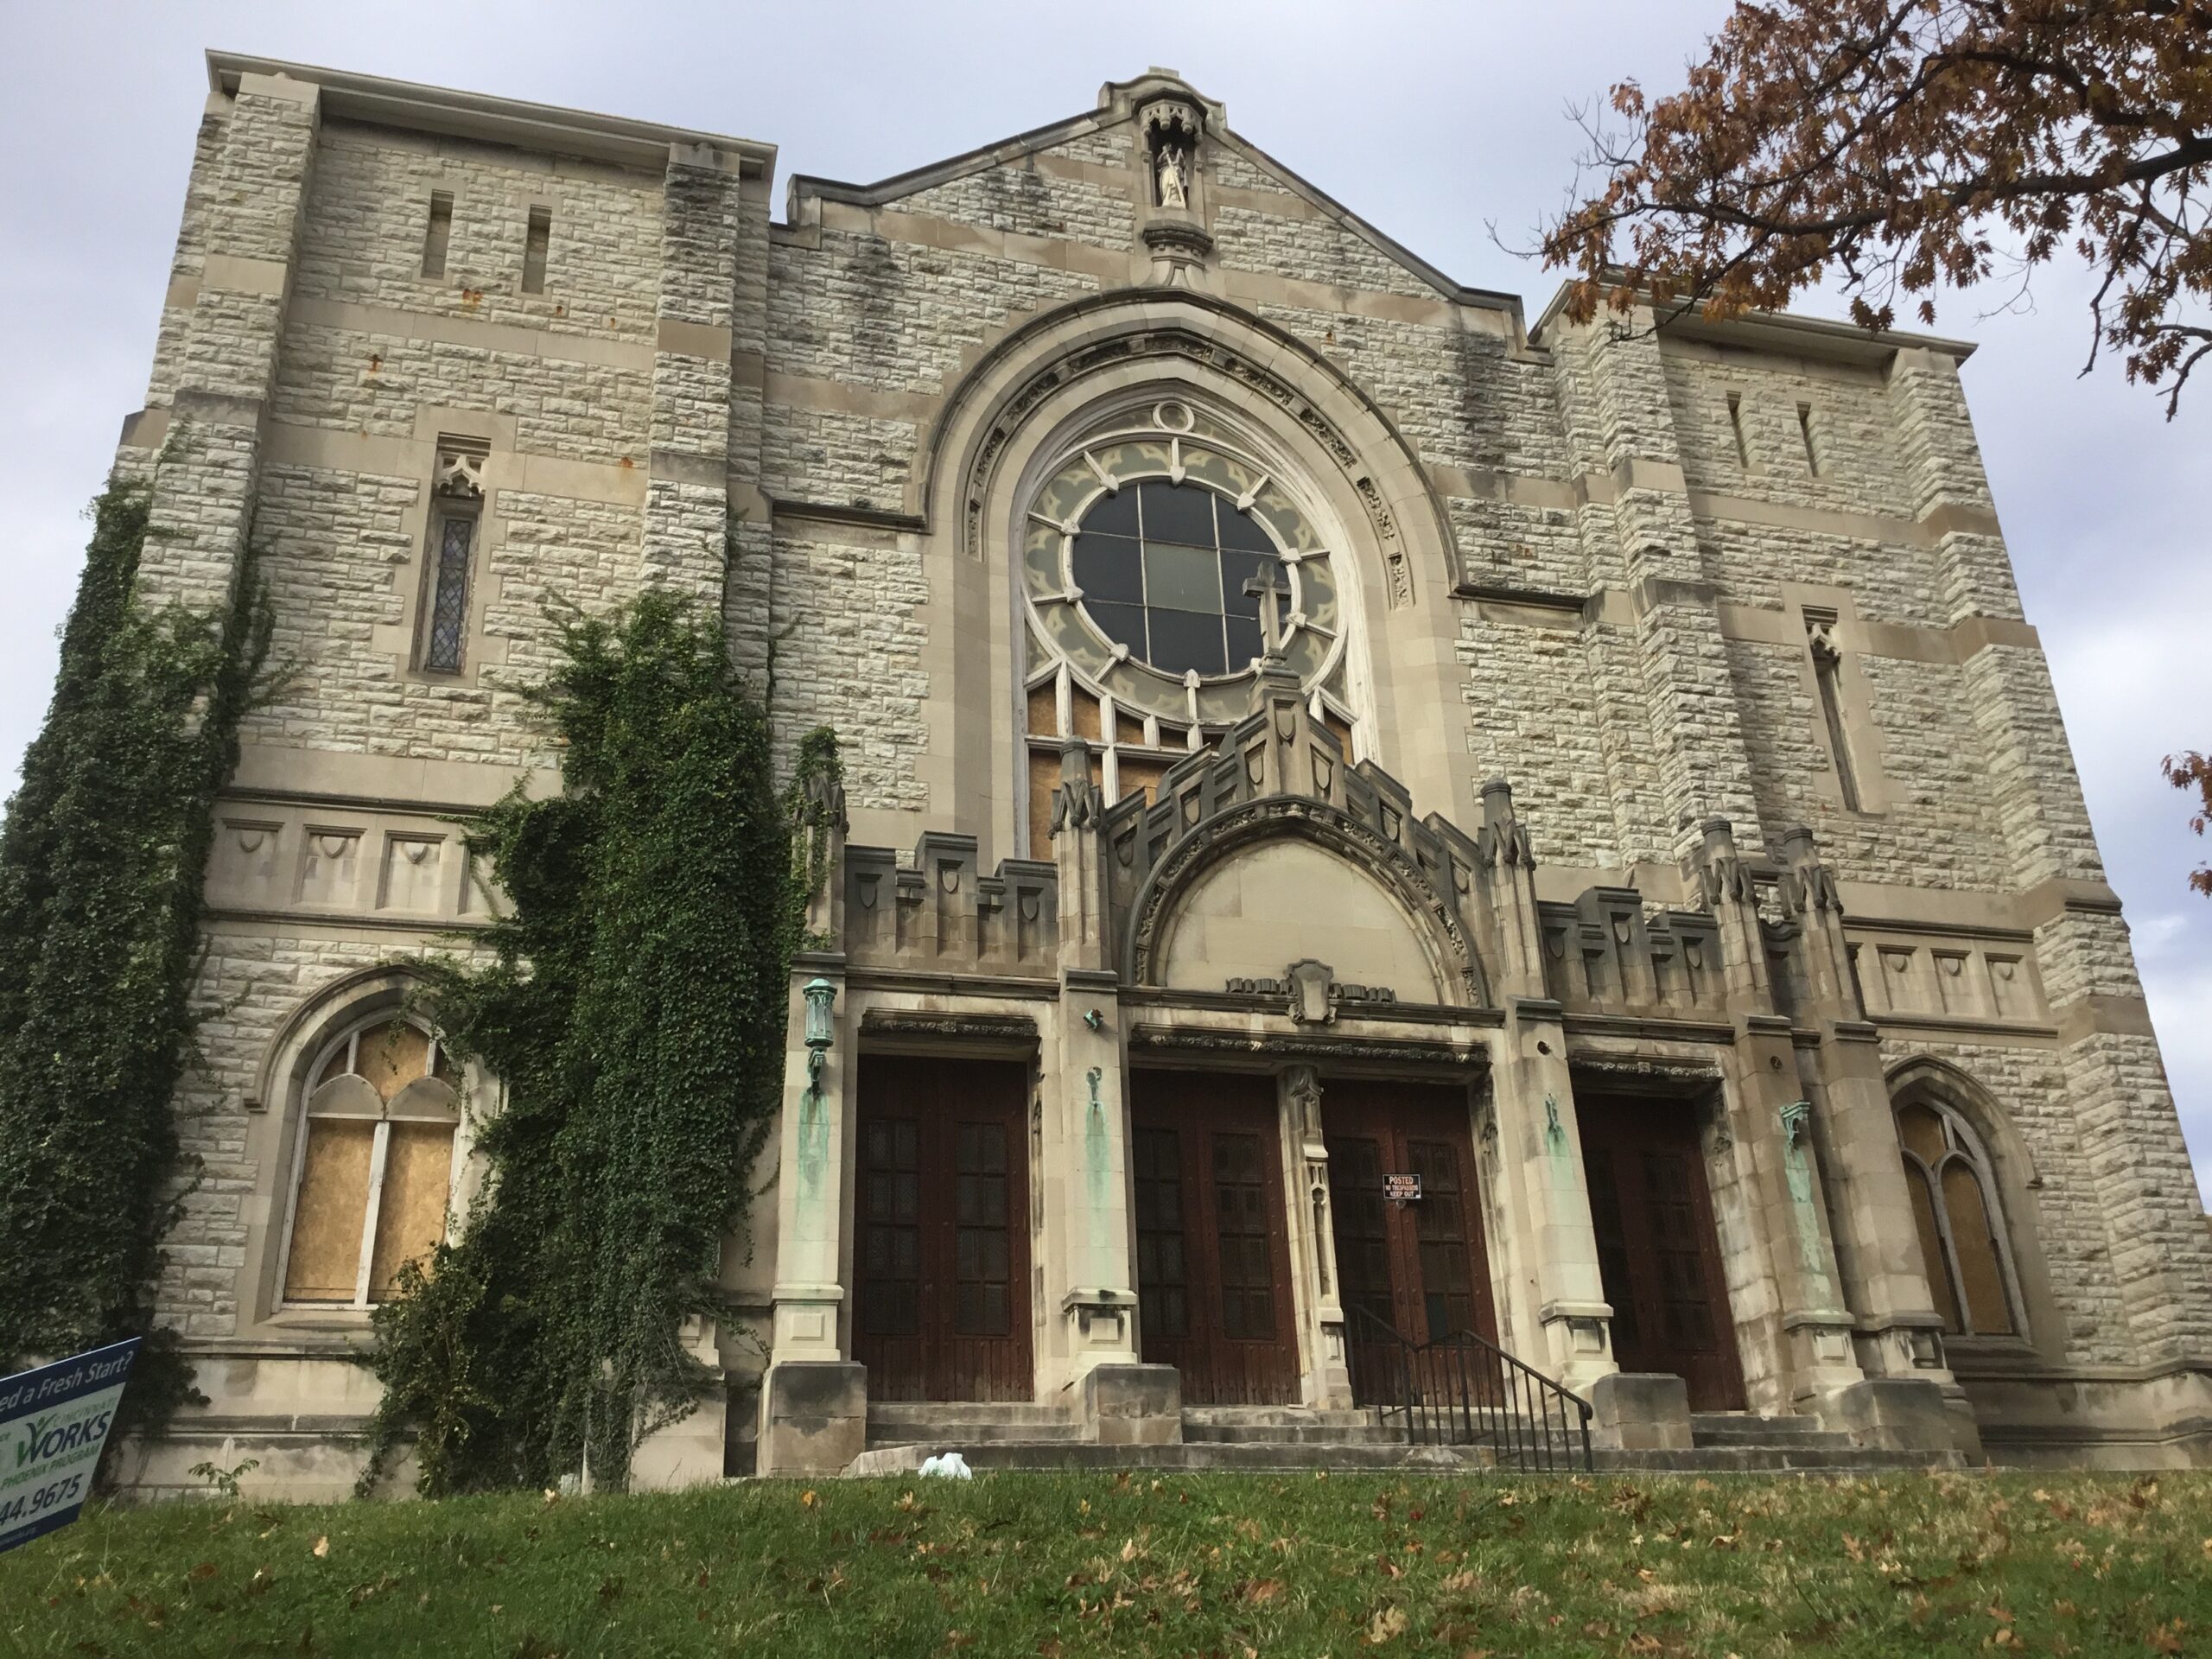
(1213, 1253)
(1657, 1251)
(1418, 1268)
(944, 1229)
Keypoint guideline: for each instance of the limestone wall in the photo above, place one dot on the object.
(1616, 618)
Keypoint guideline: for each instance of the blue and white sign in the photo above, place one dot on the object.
(52, 1423)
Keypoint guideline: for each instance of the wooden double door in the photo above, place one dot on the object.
(1658, 1253)
(942, 1229)
(1414, 1268)
(1212, 1250)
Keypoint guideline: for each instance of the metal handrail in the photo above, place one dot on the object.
(1464, 1390)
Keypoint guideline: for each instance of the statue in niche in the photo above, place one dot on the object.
(1171, 168)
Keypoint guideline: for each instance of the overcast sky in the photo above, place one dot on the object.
(1433, 121)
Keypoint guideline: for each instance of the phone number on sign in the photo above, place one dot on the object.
(47, 1497)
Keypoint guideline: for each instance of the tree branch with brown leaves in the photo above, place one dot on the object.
(1902, 144)
(2188, 772)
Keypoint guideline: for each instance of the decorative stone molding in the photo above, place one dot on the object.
(459, 472)
(1302, 1006)
(1008, 1028)
(1180, 250)
(1329, 828)
(1094, 346)
(1318, 1047)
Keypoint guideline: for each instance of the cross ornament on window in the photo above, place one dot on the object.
(1265, 588)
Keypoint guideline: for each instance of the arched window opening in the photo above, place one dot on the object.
(376, 1163)
(1961, 1229)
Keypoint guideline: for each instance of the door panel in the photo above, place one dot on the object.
(1213, 1255)
(1658, 1253)
(942, 1306)
(1419, 1268)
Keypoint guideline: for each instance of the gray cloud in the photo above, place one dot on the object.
(1432, 120)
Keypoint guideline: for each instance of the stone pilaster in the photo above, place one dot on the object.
(1086, 1111)
(1556, 1317)
(1507, 883)
(818, 1104)
(1726, 887)
(2134, 1150)
(687, 491)
(1313, 1236)
(209, 474)
(1792, 1322)
(1627, 425)
(1876, 1238)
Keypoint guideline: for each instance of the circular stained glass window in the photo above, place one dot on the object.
(1175, 572)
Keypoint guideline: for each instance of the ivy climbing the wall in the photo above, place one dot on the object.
(100, 873)
(632, 1005)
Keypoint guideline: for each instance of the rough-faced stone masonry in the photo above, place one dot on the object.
(1592, 559)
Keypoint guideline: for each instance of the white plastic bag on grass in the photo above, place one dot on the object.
(950, 1464)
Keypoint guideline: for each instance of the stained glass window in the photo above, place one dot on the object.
(1162, 567)
(444, 652)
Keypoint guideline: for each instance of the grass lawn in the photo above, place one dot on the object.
(1232, 1564)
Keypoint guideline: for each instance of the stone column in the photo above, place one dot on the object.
(1087, 1122)
(207, 475)
(1557, 1317)
(686, 491)
(1793, 1324)
(1312, 1237)
(1793, 1327)
(1877, 1239)
(813, 1401)
(1552, 1314)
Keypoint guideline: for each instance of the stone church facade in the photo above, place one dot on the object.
(1366, 816)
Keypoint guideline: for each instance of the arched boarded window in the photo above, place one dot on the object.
(376, 1163)
(1962, 1242)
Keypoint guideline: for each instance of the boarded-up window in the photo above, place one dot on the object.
(375, 1166)
(325, 1261)
(1955, 1206)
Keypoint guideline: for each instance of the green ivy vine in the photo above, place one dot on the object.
(632, 1000)
(101, 860)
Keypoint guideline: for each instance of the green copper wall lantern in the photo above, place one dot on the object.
(819, 994)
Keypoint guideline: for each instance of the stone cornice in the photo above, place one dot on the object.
(540, 127)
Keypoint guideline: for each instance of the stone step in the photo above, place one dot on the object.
(949, 1424)
(1747, 1428)
(1290, 1434)
(1265, 1456)
(1282, 1414)
(1290, 1425)
(1774, 1460)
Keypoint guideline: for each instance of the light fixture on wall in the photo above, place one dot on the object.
(819, 994)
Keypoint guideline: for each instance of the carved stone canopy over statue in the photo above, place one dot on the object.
(1171, 134)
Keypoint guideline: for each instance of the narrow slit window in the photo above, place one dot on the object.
(1736, 426)
(1828, 675)
(447, 647)
(1805, 431)
(437, 233)
(535, 242)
